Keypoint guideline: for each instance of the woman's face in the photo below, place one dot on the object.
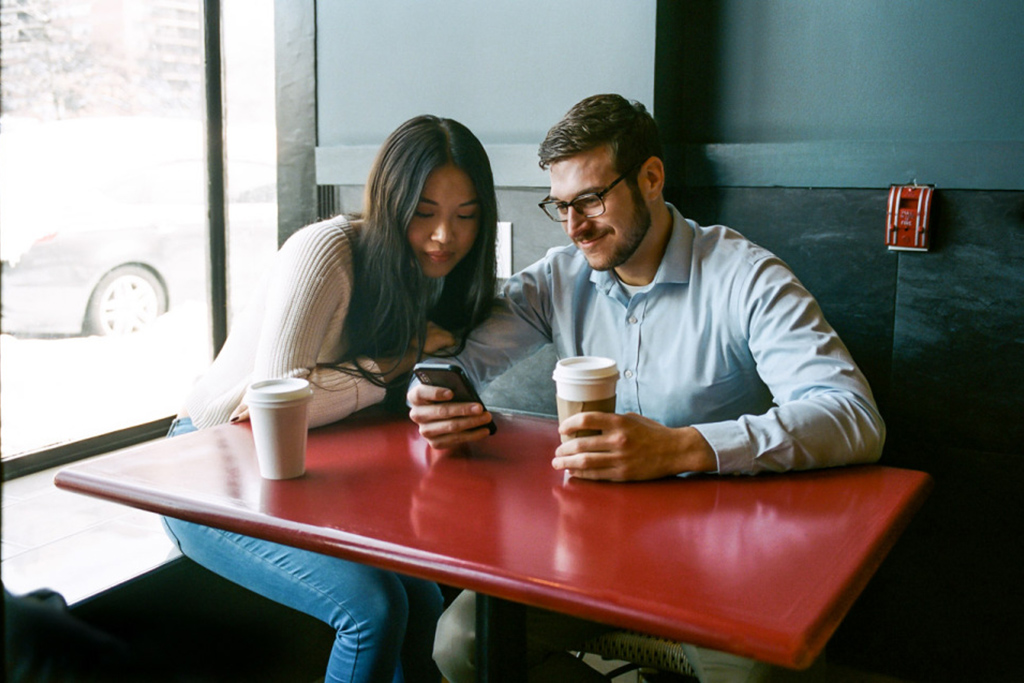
(446, 221)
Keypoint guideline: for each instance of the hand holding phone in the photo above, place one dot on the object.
(450, 376)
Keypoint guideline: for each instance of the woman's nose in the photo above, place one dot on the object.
(442, 232)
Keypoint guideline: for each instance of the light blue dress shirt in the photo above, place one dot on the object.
(726, 339)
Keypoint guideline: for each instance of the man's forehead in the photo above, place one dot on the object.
(584, 172)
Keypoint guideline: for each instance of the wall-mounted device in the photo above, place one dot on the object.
(907, 225)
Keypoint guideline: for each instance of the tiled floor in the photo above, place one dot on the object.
(71, 543)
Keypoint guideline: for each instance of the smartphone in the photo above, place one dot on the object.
(450, 376)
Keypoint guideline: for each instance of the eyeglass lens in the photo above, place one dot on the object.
(589, 205)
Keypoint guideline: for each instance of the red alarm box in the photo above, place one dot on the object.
(908, 220)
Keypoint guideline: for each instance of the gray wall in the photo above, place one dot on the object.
(859, 94)
(506, 69)
(915, 70)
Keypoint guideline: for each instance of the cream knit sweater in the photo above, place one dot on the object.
(294, 321)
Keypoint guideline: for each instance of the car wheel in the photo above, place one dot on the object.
(126, 300)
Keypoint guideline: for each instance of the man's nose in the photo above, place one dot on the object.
(574, 221)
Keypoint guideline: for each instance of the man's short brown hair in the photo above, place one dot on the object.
(624, 125)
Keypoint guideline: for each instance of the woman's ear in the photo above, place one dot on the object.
(651, 178)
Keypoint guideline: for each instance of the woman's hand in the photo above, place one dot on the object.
(443, 422)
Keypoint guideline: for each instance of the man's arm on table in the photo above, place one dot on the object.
(824, 414)
(514, 330)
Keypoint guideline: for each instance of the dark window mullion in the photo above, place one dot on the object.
(216, 210)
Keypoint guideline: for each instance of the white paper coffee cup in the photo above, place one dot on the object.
(584, 384)
(278, 413)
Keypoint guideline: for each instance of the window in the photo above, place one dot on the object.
(251, 143)
(103, 224)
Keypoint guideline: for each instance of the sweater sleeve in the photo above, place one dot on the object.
(308, 298)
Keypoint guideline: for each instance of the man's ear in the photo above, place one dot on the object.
(651, 178)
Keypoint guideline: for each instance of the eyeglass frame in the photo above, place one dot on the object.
(600, 194)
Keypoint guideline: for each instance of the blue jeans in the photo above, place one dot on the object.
(384, 622)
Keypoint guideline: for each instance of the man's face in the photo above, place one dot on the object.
(609, 240)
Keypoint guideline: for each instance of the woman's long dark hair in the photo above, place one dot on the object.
(392, 299)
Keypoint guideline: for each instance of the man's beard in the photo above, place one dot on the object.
(639, 225)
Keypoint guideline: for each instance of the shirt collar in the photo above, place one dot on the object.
(675, 264)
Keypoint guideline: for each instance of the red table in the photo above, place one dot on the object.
(764, 567)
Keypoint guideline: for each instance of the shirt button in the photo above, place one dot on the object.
(632, 320)
(628, 374)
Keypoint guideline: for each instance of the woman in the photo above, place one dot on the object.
(351, 306)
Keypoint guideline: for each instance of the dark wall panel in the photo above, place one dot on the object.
(959, 335)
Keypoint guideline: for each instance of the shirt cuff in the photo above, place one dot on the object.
(731, 444)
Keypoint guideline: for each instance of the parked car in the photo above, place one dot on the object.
(103, 225)
(100, 281)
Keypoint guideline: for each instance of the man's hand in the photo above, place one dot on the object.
(631, 448)
(437, 338)
(445, 424)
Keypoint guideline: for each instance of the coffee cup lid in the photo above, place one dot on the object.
(585, 369)
(278, 390)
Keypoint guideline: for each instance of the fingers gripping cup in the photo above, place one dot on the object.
(277, 410)
(584, 384)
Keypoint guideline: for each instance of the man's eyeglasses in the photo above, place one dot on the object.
(590, 204)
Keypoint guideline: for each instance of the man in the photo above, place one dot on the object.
(727, 363)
